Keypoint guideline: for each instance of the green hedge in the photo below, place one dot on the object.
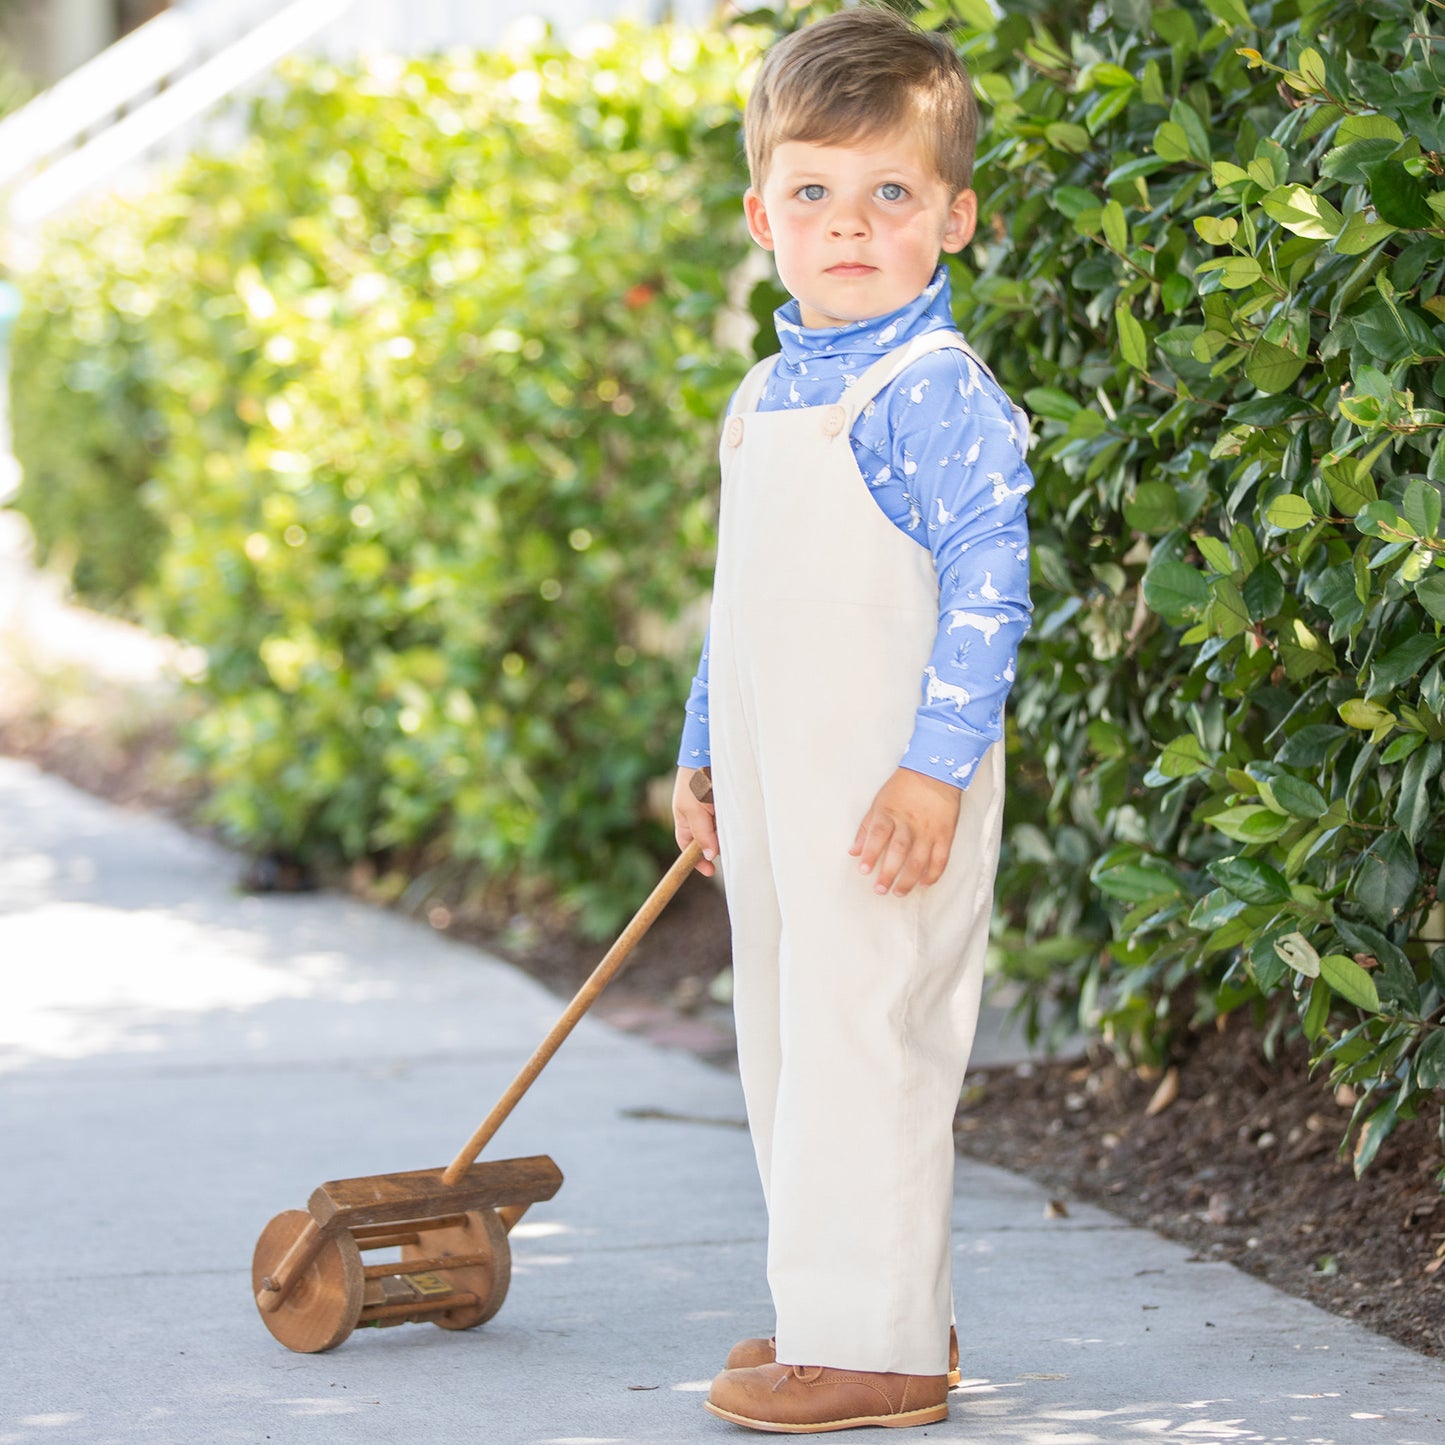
(436, 368)
(1212, 268)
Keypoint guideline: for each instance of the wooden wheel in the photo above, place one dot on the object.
(325, 1303)
(483, 1233)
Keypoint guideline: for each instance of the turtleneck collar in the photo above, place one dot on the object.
(928, 311)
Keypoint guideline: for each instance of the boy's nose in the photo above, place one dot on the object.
(847, 223)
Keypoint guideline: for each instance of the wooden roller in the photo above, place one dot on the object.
(448, 1226)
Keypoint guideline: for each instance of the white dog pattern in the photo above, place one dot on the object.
(939, 691)
(941, 453)
(989, 626)
(1001, 489)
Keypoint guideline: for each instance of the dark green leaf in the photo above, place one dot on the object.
(1183, 757)
(1249, 879)
(1217, 906)
(1386, 877)
(1311, 745)
(1395, 978)
(1334, 591)
(1229, 614)
(1430, 1061)
(1401, 663)
(1351, 490)
(1398, 196)
(1297, 797)
(1379, 519)
(1421, 508)
(1431, 592)
(1273, 368)
(1192, 124)
(1270, 411)
(1263, 592)
(1134, 169)
(1136, 882)
(1232, 12)
(1177, 592)
(1415, 806)
(1093, 273)
(1176, 27)
(1347, 162)
(1154, 509)
(1317, 1012)
(1270, 970)
(1049, 402)
(1072, 201)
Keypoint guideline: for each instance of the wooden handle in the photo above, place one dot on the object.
(601, 976)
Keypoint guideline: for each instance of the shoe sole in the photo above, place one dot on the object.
(929, 1416)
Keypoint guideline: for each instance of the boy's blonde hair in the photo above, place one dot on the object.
(857, 75)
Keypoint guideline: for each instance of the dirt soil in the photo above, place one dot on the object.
(1241, 1165)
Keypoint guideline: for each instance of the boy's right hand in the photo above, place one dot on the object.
(694, 821)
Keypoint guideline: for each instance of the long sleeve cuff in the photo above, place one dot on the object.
(946, 751)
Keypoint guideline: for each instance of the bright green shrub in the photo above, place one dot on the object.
(1212, 267)
(83, 413)
(437, 361)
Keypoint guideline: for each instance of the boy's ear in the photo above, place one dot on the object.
(962, 220)
(757, 216)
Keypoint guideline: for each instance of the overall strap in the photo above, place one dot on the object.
(750, 391)
(890, 366)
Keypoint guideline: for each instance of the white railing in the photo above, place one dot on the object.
(121, 77)
(89, 128)
(149, 92)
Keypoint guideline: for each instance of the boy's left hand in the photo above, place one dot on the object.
(907, 833)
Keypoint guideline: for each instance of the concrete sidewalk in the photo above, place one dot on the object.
(180, 1063)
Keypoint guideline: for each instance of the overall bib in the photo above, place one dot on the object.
(855, 1012)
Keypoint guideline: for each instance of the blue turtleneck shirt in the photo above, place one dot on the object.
(942, 452)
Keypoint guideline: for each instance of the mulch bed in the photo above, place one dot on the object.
(1243, 1165)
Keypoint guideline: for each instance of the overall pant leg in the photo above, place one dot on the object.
(855, 1012)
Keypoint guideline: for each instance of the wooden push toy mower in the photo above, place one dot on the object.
(450, 1225)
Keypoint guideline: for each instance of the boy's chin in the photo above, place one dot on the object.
(853, 310)
(815, 320)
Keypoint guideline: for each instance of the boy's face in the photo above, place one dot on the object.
(856, 230)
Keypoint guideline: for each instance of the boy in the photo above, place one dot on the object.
(871, 592)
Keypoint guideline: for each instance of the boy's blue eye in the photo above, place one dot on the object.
(891, 191)
(813, 192)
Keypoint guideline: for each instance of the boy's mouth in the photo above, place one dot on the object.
(849, 269)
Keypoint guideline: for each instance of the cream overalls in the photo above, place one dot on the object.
(855, 1012)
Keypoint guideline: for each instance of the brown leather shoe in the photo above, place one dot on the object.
(809, 1399)
(748, 1354)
